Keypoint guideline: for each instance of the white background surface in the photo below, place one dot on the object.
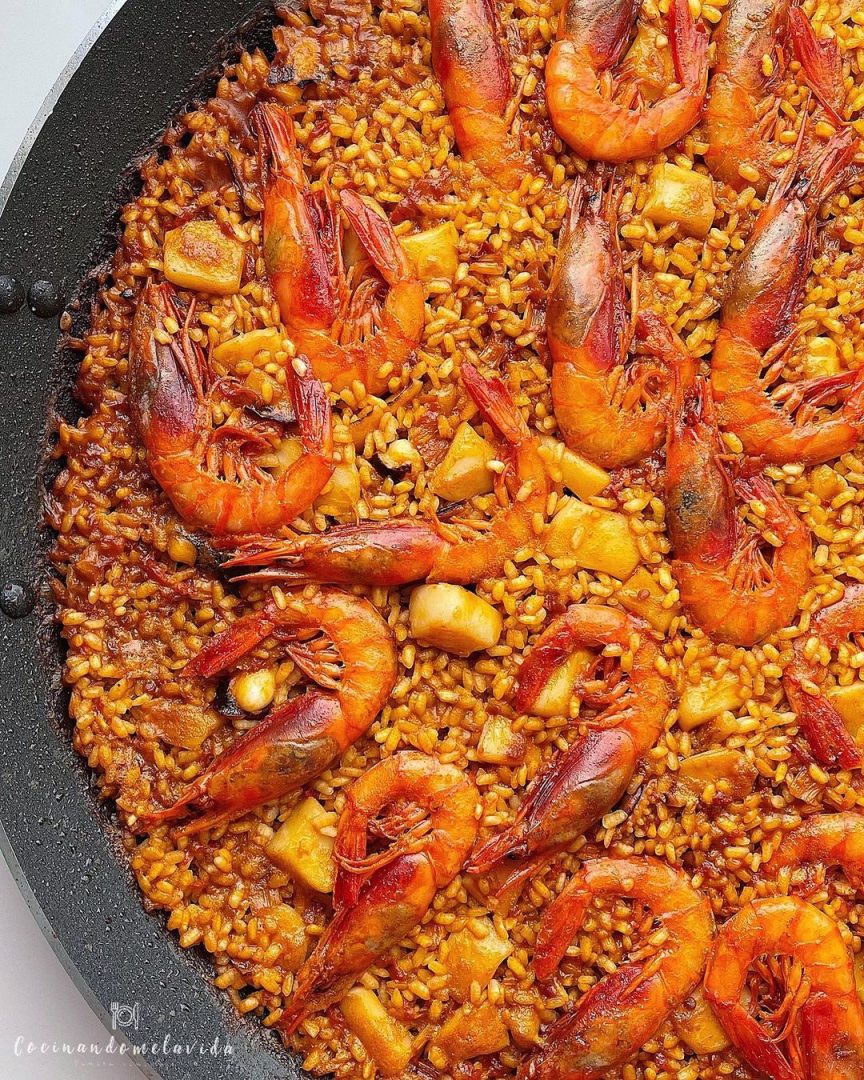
(38, 1001)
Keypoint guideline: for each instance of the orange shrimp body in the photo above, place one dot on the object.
(734, 124)
(613, 413)
(599, 125)
(618, 1015)
(397, 552)
(381, 898)
(585, 781)
(821, 724)
(172, 416)
(757, 317)
(727, 586)
(738, 118)
(348, 336)
(820, 843)
(825, 1032)
(472, 66)
(297, 740)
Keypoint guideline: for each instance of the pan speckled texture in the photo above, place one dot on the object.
(58, 223)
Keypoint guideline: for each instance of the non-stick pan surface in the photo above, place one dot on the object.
(58, 223)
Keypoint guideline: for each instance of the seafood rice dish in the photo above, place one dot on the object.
(461, 553)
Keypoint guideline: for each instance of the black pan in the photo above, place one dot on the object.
(58, 213)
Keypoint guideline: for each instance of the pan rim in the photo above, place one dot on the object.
(69, 966)
(6, 849)
(52, 97)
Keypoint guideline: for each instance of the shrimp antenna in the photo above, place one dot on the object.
(575, 205)
(634, 309)
(612, 188)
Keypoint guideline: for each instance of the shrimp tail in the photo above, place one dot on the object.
(377, 237)
(560, 925)
(828, 170)
(580, 624)
(820, 62)
(689, 43)
(312, 408)
(277, 144)
(493, 400)
(544, 658)
(195, 792)
(822, 727)
(307, 996)
(224, 650)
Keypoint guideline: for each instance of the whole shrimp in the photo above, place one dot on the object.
(823, 1021)
(613, 412)
(621, 1012)
(605, 122)
(820, 843)
(739, 113)
(585, 781)
(297, 740)
(471, 64)
(728, 586)
(429, 814)
(395, 552)
(756, 324)
(348, 335)
(171, 413)
(820, 723)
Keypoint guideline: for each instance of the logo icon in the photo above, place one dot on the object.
(125, 1016)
